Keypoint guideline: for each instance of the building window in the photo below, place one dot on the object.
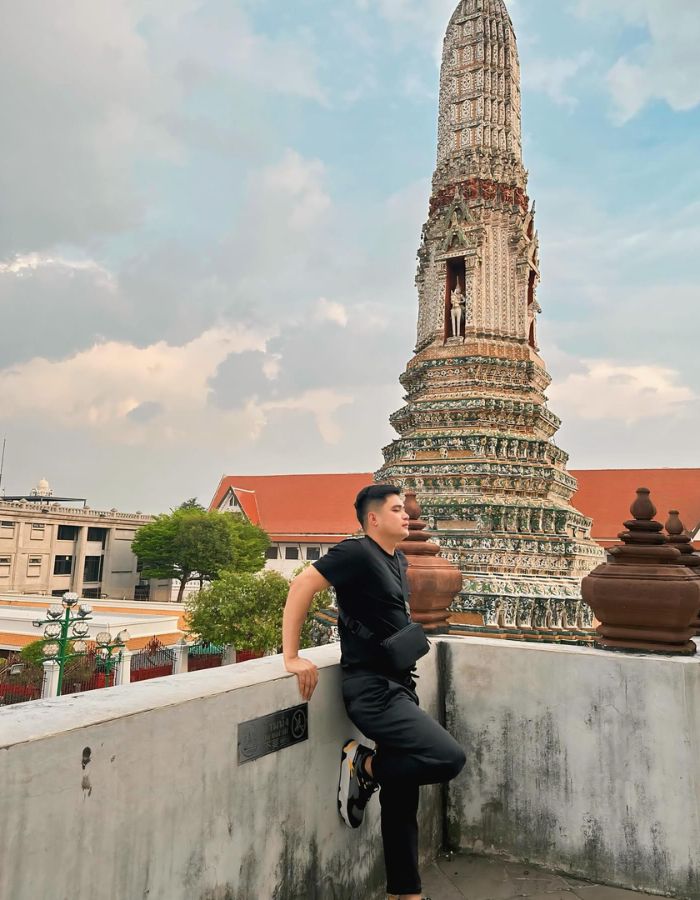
(291, 553)
(97, 535)
(59, 592)
(68, 532)
(142, 592)
(93, 569)
(5, 566)
(63, 565)
(91, 593)
(313, 552)
(38, 531)
(7, 529)
(272, 553)
(34, 567)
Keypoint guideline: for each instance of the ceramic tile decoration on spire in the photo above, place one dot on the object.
(476, 434)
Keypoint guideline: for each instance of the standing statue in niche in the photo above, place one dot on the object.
(458, 304)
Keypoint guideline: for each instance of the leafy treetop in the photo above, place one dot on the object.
(192, 544)
(245, 611)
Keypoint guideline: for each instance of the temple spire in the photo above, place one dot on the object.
(475, 435)
(480, 107)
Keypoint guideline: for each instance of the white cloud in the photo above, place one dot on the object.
(422, 20)
(666, 67)
(322, 403)
(301, 180)
(607, 390)
(99, 388)
(222, 42)
(137, 395)
(27, 264)
(553, 76)
(84, 102)
(330, 311)
(99, 89)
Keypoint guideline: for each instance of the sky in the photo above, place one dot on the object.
(209, 217)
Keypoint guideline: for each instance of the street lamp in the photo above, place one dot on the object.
(58, 633)
(109, 650)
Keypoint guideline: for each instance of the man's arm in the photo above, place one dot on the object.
(301, 592)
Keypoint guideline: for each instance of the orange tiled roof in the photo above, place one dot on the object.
(297, 505)
(298, 508)
(607, 494)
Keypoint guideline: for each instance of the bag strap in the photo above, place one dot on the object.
(357, 628)
(404, 587)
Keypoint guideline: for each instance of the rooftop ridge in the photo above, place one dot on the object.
(48, 509)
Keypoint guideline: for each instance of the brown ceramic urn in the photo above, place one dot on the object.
(679, 538)
(645, 599)
(434, 582)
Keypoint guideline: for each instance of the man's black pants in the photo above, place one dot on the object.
(413, 749)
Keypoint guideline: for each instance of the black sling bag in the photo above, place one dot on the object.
(405, 647)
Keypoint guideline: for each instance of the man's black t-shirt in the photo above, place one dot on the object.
(369, 586)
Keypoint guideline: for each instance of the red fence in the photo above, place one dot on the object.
(154, 661)
(18, 693)
(20, 680)
(89, 672)
(204, 656)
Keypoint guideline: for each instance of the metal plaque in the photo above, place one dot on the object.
(268, 734)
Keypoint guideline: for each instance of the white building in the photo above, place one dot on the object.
(50, 545)
(305, 515)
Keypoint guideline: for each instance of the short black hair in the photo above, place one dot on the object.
(370, 495)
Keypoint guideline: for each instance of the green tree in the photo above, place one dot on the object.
(192, 503)
(249, 544)
(193, 544)
(245, 611)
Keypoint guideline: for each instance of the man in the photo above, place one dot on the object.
(369, 577)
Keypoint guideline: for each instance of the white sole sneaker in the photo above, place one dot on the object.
(346, 777)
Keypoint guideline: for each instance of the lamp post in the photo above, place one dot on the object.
(66, 623)
(58, 633)
(109, 650)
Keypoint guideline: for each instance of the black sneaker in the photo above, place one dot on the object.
(355, 787)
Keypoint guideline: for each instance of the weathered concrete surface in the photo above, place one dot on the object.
(584, 761)
(490, 878)
(162, 810)
(580, 761)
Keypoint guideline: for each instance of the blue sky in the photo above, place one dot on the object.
(211, 211)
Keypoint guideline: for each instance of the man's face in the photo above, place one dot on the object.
(391, 518)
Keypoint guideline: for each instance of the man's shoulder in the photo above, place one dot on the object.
(348, 549)
(343, 562)
(351, 546)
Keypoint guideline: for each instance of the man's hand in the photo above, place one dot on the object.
(296, 609)
(307, 675)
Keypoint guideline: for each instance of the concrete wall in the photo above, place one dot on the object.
(162, 810)
(580, 760)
